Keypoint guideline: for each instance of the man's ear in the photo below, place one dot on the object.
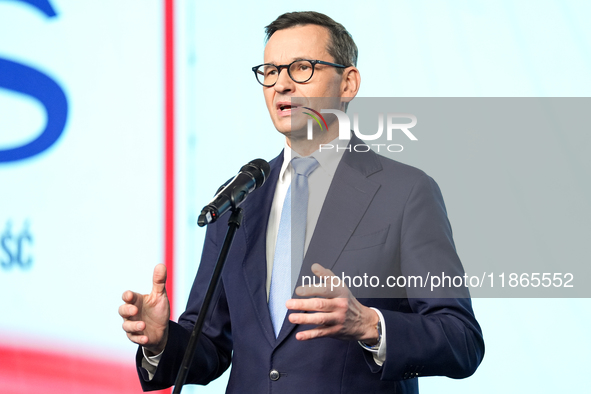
(350, 83)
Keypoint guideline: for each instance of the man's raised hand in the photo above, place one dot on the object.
(145, 316)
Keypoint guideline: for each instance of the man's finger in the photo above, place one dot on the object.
(130, 297)
(311, 305)
(320, 271)
(126, 311)
(318, 319)
(318, 332)
(133, 327)
(313, 291)
(138, 339)
(332, 285)
(159, 279)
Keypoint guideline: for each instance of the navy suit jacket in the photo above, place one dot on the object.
(379, 217)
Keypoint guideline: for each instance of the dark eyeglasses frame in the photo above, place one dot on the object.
(287, 66)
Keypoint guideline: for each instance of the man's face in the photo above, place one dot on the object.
(300, 42)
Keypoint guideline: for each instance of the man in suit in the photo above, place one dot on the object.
(364, 213)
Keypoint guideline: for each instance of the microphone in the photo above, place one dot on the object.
(234, 192)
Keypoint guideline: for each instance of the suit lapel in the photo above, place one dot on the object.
(348, 198)
(254, 266)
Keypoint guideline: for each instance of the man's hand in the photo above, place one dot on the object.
(145, 317)
(339, 314)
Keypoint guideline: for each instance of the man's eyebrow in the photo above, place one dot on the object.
(294, 59)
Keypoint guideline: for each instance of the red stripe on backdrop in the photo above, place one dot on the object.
(169, 182)
(33, 371)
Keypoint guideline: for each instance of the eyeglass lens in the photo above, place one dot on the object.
(300, 71)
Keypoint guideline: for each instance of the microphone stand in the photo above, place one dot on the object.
(233, 224)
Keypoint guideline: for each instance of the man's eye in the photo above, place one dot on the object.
(271, 71)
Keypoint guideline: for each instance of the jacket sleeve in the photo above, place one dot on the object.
(436, 333)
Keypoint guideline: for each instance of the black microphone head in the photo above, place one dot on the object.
(259, 169)
(202, 220)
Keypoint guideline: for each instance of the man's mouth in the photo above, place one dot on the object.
(285, 108)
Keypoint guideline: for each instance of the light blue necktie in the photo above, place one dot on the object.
(290, 240)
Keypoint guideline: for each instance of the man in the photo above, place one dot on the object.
(374, 214)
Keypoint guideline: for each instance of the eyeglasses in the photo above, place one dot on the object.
(299, 71)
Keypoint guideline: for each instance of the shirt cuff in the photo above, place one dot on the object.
(379, 354)
(150, 363)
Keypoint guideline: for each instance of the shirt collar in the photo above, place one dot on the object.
(328, 159)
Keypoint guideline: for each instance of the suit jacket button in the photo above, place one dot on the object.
(274, 374)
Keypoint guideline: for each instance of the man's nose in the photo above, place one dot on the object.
(284, 82)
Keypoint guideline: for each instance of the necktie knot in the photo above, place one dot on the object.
(304, 165)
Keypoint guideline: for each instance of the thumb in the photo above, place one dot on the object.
(159, 280)
(338, 289)
(320, 271)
